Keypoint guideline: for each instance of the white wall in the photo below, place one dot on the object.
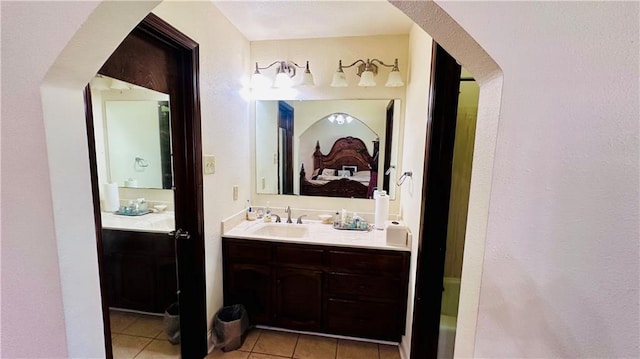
(34, 296)
(563, 222)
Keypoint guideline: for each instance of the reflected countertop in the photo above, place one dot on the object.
(162, 222)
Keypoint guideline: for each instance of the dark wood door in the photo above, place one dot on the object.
(436, 189)
(299, 298)
(285, 133)
(250, 285)
(388, 138)
(159, 57)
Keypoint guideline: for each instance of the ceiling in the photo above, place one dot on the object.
(279, 20)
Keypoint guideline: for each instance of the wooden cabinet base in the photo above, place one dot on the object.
(140, 268)
(346, 291)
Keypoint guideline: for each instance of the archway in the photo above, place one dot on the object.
(69, 168)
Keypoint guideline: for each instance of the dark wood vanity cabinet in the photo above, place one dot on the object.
(347, 291)
(140, 269)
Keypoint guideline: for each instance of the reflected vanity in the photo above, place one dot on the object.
(133, 149)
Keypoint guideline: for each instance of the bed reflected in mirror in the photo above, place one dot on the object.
(329, 148)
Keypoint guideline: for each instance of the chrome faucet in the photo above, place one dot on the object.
(299, 221)
(288, 212)
(277, 217)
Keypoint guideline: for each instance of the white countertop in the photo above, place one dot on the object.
(317, 234)
(162, 222)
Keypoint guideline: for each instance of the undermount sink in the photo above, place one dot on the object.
(281, 230)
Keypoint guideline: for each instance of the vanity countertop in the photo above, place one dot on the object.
(162, 222)
(311, 232)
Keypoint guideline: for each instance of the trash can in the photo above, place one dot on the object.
(230, 323)
(171, 323)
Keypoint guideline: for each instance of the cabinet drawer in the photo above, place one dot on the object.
(366, 261)
(299, 256)
(363, 319)
(364, 285)
(247, 251)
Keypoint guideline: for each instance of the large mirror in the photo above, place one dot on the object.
(133, 137)
(330, 148)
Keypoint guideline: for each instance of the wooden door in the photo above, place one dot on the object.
(159, 57)
(285, 133)
(250, 285)
(441, 129)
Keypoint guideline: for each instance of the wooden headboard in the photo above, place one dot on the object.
(346, 151)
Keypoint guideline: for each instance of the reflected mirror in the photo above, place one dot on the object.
(133, 136)
(330, 148)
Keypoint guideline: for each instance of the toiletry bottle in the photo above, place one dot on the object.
(336, 220)
(267, 213)
(251, 215)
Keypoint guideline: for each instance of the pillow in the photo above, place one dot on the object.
(344, 173)
(328, 172)
(362, 174)
(315, 173)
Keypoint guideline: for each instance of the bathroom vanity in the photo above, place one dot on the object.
(318, 279)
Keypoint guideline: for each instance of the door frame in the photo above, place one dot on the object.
(188, 189)
(436, 194)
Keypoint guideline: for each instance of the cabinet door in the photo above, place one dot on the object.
(299, 299)
(249, 285)
(166, 283)
(137, 282)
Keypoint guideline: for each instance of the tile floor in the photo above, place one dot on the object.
(142, 336)
(267, 344)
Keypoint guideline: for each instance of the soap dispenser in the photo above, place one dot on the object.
(267, 213)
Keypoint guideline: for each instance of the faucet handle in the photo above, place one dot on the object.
(277, 217)
(299, 221)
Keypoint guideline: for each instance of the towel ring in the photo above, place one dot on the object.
(403, 178)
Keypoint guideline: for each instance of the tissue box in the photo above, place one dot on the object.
(398, 234)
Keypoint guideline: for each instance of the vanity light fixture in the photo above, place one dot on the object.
(340, 118)
(367, 70)
(285, 72)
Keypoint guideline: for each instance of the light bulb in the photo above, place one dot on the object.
(366, 79)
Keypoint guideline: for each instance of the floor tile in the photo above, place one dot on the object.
(315, 347)
(276, 343)
(119, 321)
(265, 356)
(145, 326)
(389, 352)
(127, 346)
(234, 354)
(250, 339)
(350, 349)
(160, 349)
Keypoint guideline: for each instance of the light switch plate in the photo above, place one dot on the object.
(209, 164)
(235, 192)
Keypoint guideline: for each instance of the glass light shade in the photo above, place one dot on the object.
(366, 79)
(307, 79)
(259, 80)
(282, 80)
(339, 79)
(332, 118)
(349, 119)
(340, 119)
(394, 80)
